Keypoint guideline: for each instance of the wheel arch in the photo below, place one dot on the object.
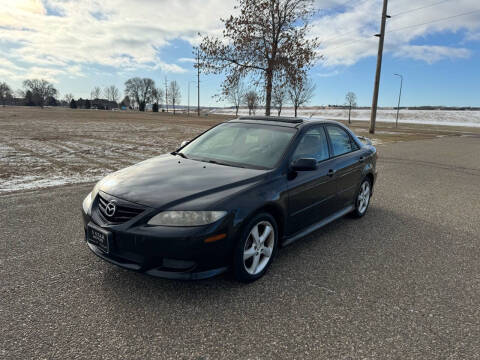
(276, 212)
(371, 178)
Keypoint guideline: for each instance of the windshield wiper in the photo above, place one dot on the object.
(223, 163)
(180, 154)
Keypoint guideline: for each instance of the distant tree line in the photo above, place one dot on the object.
(139, 92)
(142, 91)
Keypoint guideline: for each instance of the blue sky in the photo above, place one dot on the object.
(86, 43)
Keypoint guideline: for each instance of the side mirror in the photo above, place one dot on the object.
(304, 164)
(184, 143)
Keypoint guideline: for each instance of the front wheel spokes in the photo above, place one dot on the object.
(258, 247)
(247, 254)
(266, 233)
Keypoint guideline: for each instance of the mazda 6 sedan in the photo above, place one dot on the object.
(230, 198)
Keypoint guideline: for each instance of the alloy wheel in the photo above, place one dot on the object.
(258, 248)
(363, 197)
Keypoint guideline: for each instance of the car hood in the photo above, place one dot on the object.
(168, 180)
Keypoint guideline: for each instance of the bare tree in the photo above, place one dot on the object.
(350, 101)
(252, 99)
(106, 93)
(267, 36)
(279, 94)
(111, 93)
(114, 93)
(235, 95)
(140, 90)
(5, 93)
(157, 96)
(68, 98)
(174, 95)
(300, 91)
(41, 90)
(95, 93)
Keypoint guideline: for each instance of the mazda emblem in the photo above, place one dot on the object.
(110, 209)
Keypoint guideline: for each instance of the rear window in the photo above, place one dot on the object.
(341, 141)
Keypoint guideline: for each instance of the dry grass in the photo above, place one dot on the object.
(54, 146)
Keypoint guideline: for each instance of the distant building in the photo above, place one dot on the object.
(100, 104)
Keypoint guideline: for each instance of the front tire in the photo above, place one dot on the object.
(256, 248)
(362, 199)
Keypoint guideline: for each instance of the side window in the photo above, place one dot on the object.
(341, 141)
(312, 145)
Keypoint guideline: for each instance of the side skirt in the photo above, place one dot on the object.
(318, 225)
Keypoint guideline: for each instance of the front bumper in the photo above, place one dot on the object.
(158, 272)
(168, 252)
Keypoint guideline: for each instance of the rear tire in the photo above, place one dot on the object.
(256, 248)
(362, 198)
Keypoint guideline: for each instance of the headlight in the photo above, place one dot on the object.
(87, 204)
(186, 218)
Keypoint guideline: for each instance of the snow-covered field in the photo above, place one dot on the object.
(50, 147)
(430, 117)
(43, 148)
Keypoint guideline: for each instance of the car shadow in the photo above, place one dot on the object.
(333, 258)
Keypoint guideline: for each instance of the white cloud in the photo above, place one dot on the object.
(328, 74)
(36, 72)
(472, 36)
(431, 54)
(64, 37)
(171, 68)
(183, 60)
(66, 34)
(347, 37)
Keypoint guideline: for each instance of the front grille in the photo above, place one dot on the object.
(123, 212)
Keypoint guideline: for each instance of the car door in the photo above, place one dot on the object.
(310, 193)
(347, 162)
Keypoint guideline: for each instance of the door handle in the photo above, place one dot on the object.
(361, 159)
(331, 172)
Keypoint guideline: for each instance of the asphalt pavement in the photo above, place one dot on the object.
(402, 282)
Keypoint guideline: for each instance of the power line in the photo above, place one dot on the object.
(407, 27)
(435, 21)
(348, 42)
(420, 8)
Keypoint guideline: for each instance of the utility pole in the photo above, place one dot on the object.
(166, 93)
(399, 97)
(373, 116)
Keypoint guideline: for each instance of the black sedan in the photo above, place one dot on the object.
(230, 197)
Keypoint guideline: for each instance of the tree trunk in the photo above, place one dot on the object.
(296, 107)
(236, 110)
(268, 91)
(349, 111)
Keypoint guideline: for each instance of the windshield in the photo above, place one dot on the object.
(241, 144)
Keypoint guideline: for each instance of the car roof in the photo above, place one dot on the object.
(294, 122)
